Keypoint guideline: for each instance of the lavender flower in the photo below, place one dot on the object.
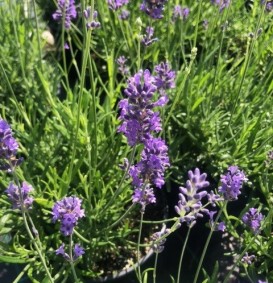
(221, 3)
(138, 118)
(269, 5)
(253, 220)
(68, 211)
(180, 13)
(77, 252)
(154, 161)
(158, 243)
(93, 24)
(20, 197)
(66, 11)
(8, 145)
(248, 259)
(116, 4)
(221, 227)
(153, 8)
(165, 77)
(144, 196)
(148, 37)
(214, 198)
(124, 15)
(123, 68)
(189, 206)
(231, 183)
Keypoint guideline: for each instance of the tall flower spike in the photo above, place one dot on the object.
(68, 211)
(144, 196)
(116, 4)
(253, 220)
(231, 183)
(66, 11)
(77, 252)
(154, 161)
(189, 206)
(153, 8)
(138, 118)
(148, 38)
(20, 197)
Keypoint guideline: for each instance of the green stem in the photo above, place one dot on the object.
(155, 267)
(138, 247)
(71, 257)
(182, 255)
(207, 243)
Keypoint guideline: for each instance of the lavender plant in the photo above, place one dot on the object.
(159, 87)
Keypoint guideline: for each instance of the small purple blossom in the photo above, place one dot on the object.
(214, 198)
(165, 76)
(159, 239)
(154, 161)
(116, 4)
(66, 11)
(144, 196)
(231, 183)
(253, 220)
(189, 206)
(122, 67)
(20, 197)
(180, 13)
(221, 3)
(124, 15)
(269, 5)
(148, 37)
(68, 211)
(221, 227)
(93, 24)
(153, 8)
(248, 259)
(137, 115)
(77, 252)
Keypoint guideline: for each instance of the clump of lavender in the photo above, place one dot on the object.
(20, 197)
(94, 23)
(221, 3)
(8, 146)
(137, 115)
(231, 183)
(154, 161)
(122, 67)
(68, 211)
(253, 220)
(180, 13)
(153, 8)
(189, 206)
(66, 12)
(77, 252)
(148, 37)
(116, 4)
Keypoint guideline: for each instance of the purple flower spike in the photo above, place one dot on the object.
(153, 8)
(248, 259)
(67, 10)
(253, 220)
(116, 4)
(189, 206)
(148, 37)
(144, 196)
(179, 12)
(231, 183)
(154, 161)
(78, 251)
(124, 15)
(138, 118)
(157, 242)
(165, 77)
(68, 211)
(221, 3)
(20, 196)
(122, 67)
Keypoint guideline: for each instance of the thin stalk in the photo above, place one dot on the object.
(118, 191)
(71, 258)
(155, 267)
(21, 274)
(182, 255)
(207, 243)
(37, 31)
(138, 246)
